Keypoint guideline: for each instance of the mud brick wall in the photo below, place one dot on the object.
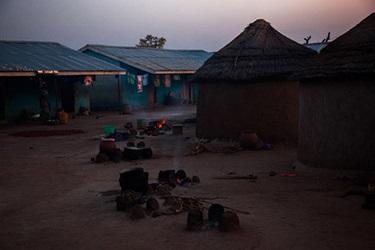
(268, 108)
(337, 124)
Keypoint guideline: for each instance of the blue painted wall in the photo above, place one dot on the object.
(105, 92)
(182, 91)
(162, 92)
(81, 96)
(105, 96)
(22, 93)
(132, 97)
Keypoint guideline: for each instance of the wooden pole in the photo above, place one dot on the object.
(119, 90)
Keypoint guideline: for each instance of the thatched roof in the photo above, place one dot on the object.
(258, 52)
(353, 53)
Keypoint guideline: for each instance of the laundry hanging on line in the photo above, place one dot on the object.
(157, 81)
(139, 83)
(131, 78)
(176, 77)
(167, 81)
(145, 80)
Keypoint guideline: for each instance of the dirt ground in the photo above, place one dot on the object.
(50, 195)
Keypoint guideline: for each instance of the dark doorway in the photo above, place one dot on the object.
(151, 94)
(2, 102)
(155, 95)
(190, 89)
(67, 96)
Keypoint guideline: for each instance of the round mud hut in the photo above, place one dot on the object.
(337, 103)
(244, 87)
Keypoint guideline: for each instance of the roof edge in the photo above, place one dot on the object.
(116, 58)
(62, 73)
(30, 41)
(133, 47)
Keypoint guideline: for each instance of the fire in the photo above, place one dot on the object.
(160, 124)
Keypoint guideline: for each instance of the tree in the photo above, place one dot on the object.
(151, 41)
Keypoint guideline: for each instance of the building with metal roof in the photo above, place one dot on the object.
(24, 58)
(155, 76)
(48, 72)
(154, 61)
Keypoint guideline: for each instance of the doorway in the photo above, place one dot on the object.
(68, 97)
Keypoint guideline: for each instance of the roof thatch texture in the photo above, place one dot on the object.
(353, 53)
(259, 52)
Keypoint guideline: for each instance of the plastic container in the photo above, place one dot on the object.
(250, 140)
(107, 145)
(63, 117)
(109, 130)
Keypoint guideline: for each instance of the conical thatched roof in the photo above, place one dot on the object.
(258, 52)
(353, 53)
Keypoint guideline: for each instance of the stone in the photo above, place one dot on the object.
(126, 200)
(229, 222)
(215, 212)
(185, 182)
(152, 204)
(181, 174)
(135, 179)
(194, 220)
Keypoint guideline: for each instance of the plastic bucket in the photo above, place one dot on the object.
(109, 130)
(107, 145)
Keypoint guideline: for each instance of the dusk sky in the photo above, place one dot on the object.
(186, 24)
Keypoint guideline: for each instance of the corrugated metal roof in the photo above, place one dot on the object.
(155, 61)
(316, 46)
(25, 56)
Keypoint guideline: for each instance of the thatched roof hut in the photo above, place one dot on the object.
(259, 52)
(353, 53)
(244, 86)
(337, 96)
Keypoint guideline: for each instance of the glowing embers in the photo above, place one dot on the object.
(157, 127)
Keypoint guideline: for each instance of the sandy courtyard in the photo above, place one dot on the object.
(50, 195)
